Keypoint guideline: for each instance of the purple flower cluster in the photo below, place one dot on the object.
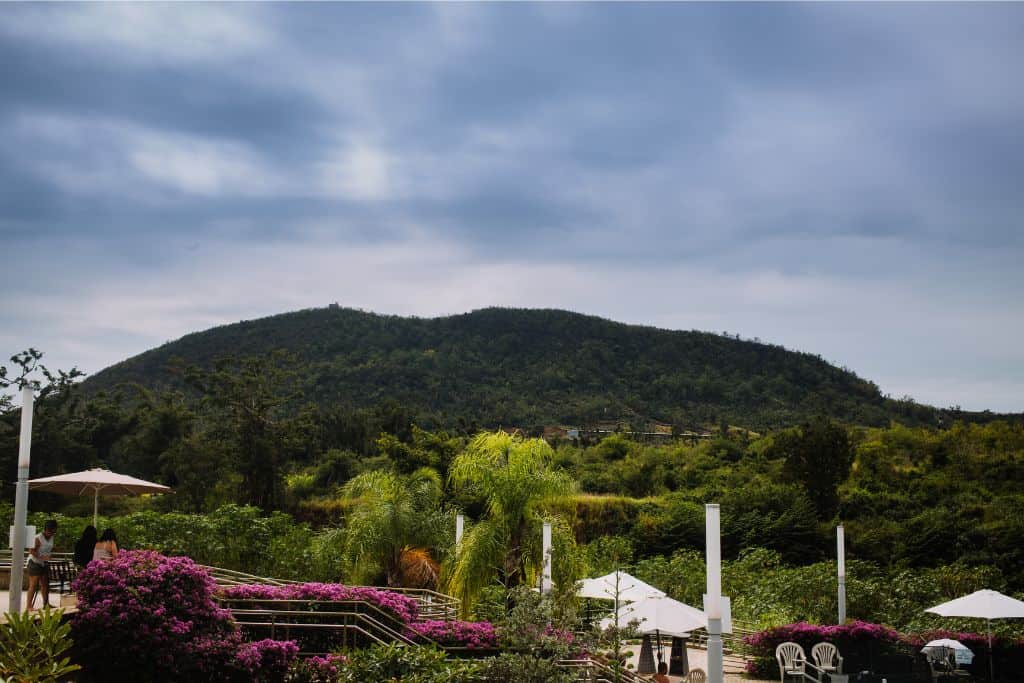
(808, 634)
(266, 659)
(403, 607)
(845, 636)
(147, 617)
(475, 634)
(316, 669)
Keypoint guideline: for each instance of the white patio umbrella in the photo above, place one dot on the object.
(617, 586)
(98, 482)
(659, 615)
(963, 654)
(984, 604)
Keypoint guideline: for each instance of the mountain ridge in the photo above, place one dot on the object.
(534, 367)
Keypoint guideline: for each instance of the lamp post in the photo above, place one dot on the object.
(841, 561)
(460, 524)
(545, 582)
(713, 603)
(21, 499)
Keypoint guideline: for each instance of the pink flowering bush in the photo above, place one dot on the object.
(850, 638)
(401, 606)
(316, 670)
(148, 617)
(471, 634)
(266, 660)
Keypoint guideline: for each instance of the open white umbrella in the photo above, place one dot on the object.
(98, 482)
(658, 615)
(983, 604)
(963, 654)
(617, 586)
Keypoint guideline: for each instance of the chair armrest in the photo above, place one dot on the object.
(819, 673)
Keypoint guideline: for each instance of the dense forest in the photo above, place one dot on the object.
(930, 501)
(532, 368)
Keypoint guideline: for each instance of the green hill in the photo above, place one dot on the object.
(529, 368)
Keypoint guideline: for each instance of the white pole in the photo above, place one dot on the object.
(95, 506)
(21, 498)
(460, 525)
(841, 557)
(545, 582)
(713, 607)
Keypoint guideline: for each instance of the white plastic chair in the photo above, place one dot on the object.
(827, 658)
(696, 676)
(791, 659)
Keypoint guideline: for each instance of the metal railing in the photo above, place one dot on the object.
(321, 625)
(599, 670)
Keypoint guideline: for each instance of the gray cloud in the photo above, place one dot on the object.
(842, 179)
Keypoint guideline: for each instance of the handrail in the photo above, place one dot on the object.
(598, 670)
(431, 603)
(344, 607)
(382, 631)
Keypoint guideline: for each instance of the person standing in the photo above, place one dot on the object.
(106, 547)
(38, 565)
(85, 546)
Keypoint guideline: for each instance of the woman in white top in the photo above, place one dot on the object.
(106, 547)
(38, 567)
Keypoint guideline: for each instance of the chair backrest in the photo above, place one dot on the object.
(824, 654)
(696, 676)
(790, 655)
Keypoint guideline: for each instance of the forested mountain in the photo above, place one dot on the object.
(530, 368)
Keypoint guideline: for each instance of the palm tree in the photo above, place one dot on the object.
(395, 523)
(512, 476)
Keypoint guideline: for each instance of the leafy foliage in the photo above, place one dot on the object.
(511, 476)
(390, 517)
(406, 664)
(33, 647)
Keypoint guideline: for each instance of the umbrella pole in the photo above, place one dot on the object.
(991, 664)
(95, 506)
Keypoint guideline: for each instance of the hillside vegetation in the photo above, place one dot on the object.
(531, 368)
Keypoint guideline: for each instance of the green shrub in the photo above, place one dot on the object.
(523, 668)
(32, 647)
(406, 664)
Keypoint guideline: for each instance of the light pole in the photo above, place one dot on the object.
(713, 599)
(21, 499)
(545, 581)
(841, 559)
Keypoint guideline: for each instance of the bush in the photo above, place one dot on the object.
(858, 641)
(316, 670)
(471, 634)
(266, 660)
(406, 664)
(148, 617)
(402, 607)
(523, 668)
(32, 645)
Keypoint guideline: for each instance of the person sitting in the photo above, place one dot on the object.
(106, 547)
(662, 675)
(85, 546)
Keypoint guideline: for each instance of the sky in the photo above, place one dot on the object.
(843, 179)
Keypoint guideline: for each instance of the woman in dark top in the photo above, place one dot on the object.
(85, 546)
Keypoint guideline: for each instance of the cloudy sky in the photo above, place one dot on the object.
(841, 179)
